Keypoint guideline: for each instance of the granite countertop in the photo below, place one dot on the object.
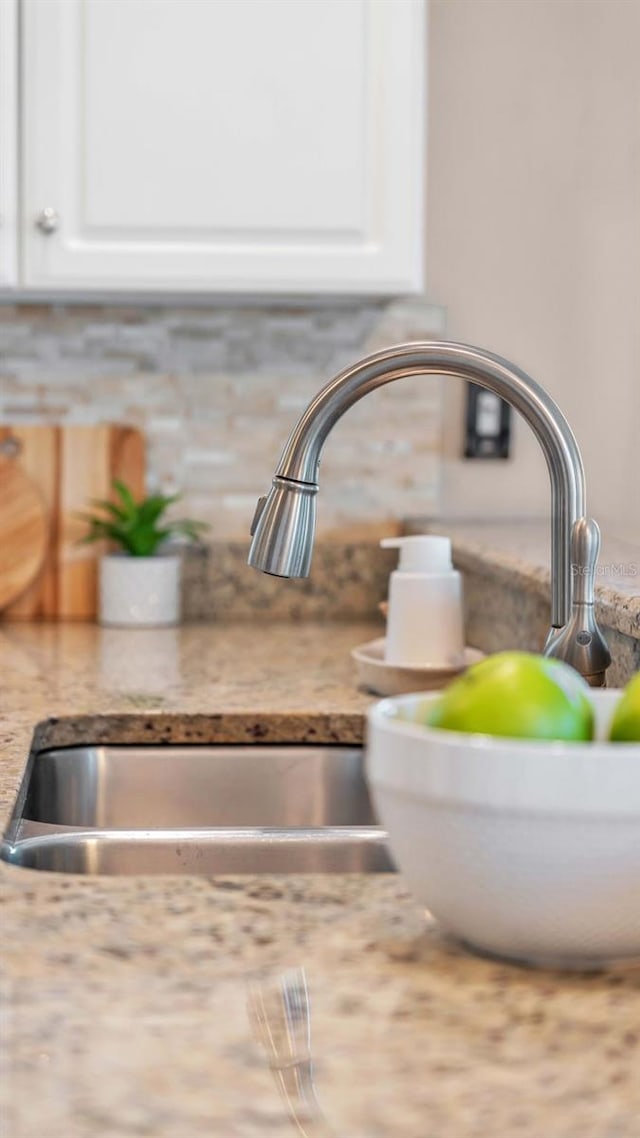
(125, 999)
(517, 552)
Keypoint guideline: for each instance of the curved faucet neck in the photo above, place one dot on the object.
(301, 456)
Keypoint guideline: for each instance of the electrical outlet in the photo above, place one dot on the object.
(487, 424)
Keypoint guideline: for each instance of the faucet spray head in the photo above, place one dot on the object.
(283, 529)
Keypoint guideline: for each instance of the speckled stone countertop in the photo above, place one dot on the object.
(125, 999)
(518, 553)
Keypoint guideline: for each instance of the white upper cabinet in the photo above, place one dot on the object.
(8, 141)
(257, 146)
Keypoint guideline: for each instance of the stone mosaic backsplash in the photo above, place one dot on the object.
(217, 390)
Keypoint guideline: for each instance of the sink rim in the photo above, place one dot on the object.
(35, 837)
(347, 843)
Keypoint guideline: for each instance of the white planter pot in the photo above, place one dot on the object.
(139, 591)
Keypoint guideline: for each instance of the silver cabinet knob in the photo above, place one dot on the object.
(47, 220)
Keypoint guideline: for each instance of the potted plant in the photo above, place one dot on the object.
(139, 583)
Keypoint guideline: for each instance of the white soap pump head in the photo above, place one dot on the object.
(424, 619)
(422, 553)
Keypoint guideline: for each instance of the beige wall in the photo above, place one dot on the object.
(533, 230)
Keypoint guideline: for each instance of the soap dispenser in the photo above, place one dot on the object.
(424, 619)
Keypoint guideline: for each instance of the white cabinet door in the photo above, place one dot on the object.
(8, 140)
(228, 145)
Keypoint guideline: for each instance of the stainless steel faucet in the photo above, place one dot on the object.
(284, 523)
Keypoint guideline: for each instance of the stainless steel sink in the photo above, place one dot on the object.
(262, 808)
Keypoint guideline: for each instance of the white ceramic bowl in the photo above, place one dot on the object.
(522, 848)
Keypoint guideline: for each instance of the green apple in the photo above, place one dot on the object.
(625, 725)
(517, 694)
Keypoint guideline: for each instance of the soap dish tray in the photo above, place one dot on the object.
(381, 678)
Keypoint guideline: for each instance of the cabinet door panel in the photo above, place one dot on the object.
(256, 145)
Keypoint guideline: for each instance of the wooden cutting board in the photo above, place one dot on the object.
(71, 465)
(23, 530)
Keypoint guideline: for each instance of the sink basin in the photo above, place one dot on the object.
(262, 808)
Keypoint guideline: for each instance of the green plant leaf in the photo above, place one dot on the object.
(134, 526)
(152, 508)
(126, 497)
(144, 541)
(98, 530)
(109, 508)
